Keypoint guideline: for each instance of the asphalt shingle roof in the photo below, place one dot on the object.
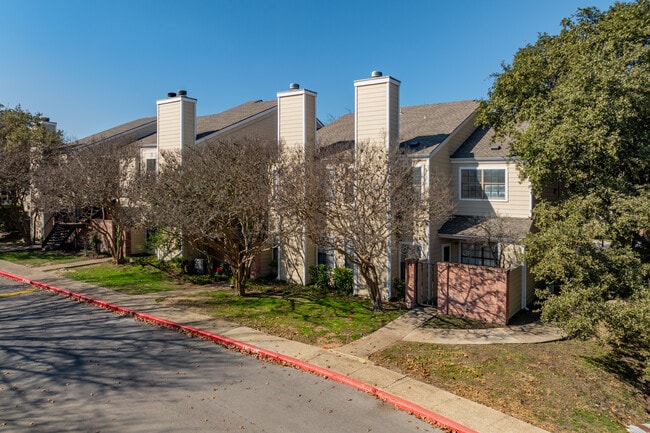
(422, 127)
(212, 123)
(481, 145)
(120, 129)
(474, 227)
(205, 125)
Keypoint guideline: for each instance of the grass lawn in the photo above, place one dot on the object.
(563, 386)
(297, 313)
(38, 257)
(130, 279)
(290, 311)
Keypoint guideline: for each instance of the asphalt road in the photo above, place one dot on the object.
(71, 367)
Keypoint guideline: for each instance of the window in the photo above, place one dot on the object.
(417, 181)
(478, 254)
(483, 184)
(326, 257)
(446, 252)
(150, 165)
(350, 252)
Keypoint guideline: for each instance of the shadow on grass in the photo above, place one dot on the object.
(626, 366)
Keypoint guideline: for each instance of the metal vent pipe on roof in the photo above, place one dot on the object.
(375, 74)
(294, 86)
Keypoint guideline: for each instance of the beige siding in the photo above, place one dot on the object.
(291, 131)
(393, 106)
(296, 129)
(310, 121)
(514, 291)
(169, 126)
(189, 122)
(176, 124)
(312, 258)
(371, 113)
(517, 203)
(292, 254)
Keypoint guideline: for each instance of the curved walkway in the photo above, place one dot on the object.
(409, 327)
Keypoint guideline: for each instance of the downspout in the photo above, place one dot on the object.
(524, 288)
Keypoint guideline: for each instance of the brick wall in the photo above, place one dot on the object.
(475, 292)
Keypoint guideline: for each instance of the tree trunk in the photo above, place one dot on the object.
(369, 274)
(239, 273)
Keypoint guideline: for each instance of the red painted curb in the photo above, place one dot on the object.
(396, 401)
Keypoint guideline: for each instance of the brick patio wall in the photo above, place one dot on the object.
(475, 292)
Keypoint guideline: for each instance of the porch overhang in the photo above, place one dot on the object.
(495, 229)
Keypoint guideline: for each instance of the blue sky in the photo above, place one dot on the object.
(90, 65)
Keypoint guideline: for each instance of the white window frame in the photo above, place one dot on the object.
(330, 253)
(483, 258)
(442, 252)
(482, 168)
(418, 187)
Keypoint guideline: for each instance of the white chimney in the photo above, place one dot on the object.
(376, 111)
(176, 122)
(297, 119)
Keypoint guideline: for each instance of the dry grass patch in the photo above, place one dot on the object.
(559, 386)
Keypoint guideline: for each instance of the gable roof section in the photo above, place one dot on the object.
(480, 145)
(422, 127)
(136, 130)
(211, 124)
(144, 131)
(208, 125)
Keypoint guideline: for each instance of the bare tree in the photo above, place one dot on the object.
(504, 237)
(218, 195)
(92, 185)
(26, 143)
(361, 207)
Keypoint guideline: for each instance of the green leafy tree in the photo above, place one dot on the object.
(26, 143)
(576, 107)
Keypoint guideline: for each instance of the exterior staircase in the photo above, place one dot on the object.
(60, 234)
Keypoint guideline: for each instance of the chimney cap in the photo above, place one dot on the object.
(182, 93)
(46, 119)
(294, 86)
(375, 74)
(171, 94)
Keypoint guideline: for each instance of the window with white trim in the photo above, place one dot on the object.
(446, 252)
(417, 181)
(150, 165)
(478, 254)
(327, 257)
(483, 183)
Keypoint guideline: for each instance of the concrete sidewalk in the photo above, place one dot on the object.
(350, 360)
